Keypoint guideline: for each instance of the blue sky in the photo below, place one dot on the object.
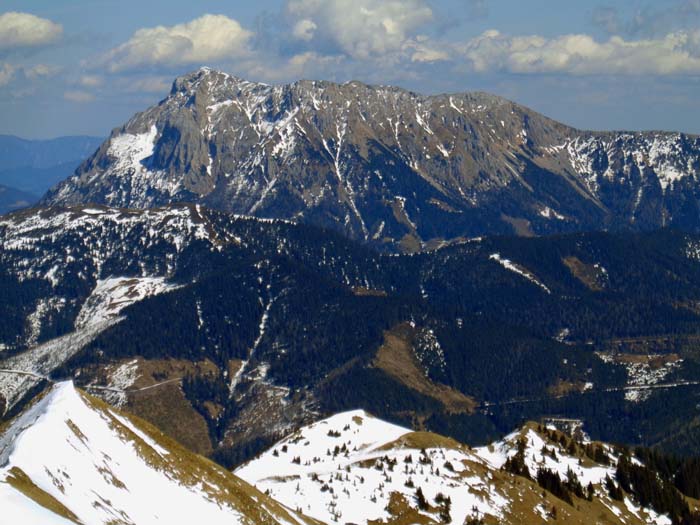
(85, 66)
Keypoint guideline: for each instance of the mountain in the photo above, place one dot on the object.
(69, 458)
(229, 332)
(392, 167)
(34, 166)
(354, 468)
(12, 199)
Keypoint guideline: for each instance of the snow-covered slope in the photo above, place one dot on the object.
(71, 459)
(353, 468)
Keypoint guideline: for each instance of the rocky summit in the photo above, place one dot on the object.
(400, 170)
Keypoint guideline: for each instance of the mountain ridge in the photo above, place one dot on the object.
(105, 466)
(388, 166)
(34, 166)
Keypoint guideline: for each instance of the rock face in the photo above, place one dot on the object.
(386, 165)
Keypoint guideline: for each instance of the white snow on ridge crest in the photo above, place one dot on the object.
(105, 469)
(509, 265)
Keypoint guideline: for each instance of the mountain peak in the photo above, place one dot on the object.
(209, 79)
(381, 164)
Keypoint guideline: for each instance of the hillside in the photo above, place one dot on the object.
(69, 458)
(355, 468)
(243, 329)
(400, 170)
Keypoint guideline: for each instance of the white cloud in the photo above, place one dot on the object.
(423, 50)
(208, 38)
(359, 28)
(78, 96)
(304, 29)
(91, 81)
(677, 53)
(40, 71)
(22, 30)
(12, 72)
(7, 73)
(301, 65)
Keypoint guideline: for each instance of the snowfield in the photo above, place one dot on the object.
(353, 468)
(101, 467)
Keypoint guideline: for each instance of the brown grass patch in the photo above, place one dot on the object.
(191, 470)
(19, 481)
(396, 358)
(588, 274)
(402, 513)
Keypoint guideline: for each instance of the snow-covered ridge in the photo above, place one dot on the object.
(340, 470)
(103, 468)
(664, 158)
(354, 468)
(89, 463)
(87, 237)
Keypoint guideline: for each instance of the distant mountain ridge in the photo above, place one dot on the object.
(17, 152)
(34, 166)
(388, 166)
(12, 199)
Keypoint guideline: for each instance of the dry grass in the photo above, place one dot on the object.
(403, 514)
(425, 440)
(521, 226)
(22, 483)
(588, 274)
(396, 358)
(191, 470)
(166, 406)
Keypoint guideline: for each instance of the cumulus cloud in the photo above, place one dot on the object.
(304, 29)
(23, 30)
(208, 38)
(360, 29)
(297, 66)
(423, 50)
(39, 71)
(677, 53)
(15, 73)
(149, 84)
